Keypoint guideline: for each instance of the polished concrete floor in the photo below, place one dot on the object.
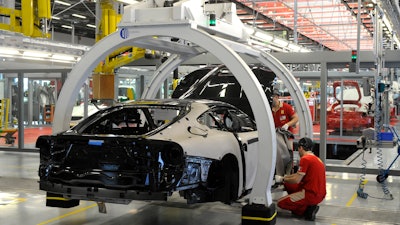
(21, 203)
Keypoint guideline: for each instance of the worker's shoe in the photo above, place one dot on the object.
(310, 212)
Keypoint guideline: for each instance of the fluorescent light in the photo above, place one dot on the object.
(79, 16)
(35, 58)
(294, 47)
(387, 24)
(249, 30)
(62, 3)
(63, 57)
(66, 26)
(396, 40)
(305, 50)
(55, 18)
(91, 25)
(128, 2)
(9, 51)
(35, 54)
(263, 36)
(280, 42)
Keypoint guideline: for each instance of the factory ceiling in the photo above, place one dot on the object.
(315, 24)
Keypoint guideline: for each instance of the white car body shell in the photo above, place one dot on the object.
(221, 144)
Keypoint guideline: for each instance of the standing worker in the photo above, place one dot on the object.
(306, 188)
(284, 115)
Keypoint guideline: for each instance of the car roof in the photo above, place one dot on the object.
(176, 102)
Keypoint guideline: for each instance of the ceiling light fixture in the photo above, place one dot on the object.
(294, 47)
(66, 26)
(55, 18)
(9, 51)
(91, 25)
(305, 50)
(35, 58)
(63, 57)
(62, 3)
(79, 16)
(263, 36)
(249, 30)
(35, 54)
(280, 42)
(128, 2)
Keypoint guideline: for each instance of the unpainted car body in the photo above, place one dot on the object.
(146, 150)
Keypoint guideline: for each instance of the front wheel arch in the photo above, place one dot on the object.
(224, 178)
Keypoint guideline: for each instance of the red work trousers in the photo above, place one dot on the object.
(296, 200)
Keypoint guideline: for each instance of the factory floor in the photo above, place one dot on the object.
(22, 203)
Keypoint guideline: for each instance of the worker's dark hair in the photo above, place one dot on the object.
(306, 143)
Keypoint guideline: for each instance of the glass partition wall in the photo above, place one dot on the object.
(28, 100)
(352, 115)
(27, 103)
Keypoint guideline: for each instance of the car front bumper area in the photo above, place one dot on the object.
(100, 194)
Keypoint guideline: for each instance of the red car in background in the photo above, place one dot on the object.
(348, 105)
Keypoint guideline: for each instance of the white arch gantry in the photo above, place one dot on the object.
(83, 69)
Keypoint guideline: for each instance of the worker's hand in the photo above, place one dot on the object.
(285, 127)
(278, 179)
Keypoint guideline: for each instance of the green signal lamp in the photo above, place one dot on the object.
(213, 20)
(353, 55)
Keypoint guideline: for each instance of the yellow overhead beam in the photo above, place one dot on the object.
(129, 55)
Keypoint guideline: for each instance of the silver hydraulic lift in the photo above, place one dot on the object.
(188, 20)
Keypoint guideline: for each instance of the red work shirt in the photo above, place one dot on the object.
(314, 180)
(283, 115)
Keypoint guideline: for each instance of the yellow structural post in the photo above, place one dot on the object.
(105, 25)
(112, 22)
(43, 14)
(14, 26)
(27, 17)
(44, 11)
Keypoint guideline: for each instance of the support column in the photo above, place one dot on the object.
(21, 111)
(141, 83)
(323, 127)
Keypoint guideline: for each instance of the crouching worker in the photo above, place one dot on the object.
(306, 188)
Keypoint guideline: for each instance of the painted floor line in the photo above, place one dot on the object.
(67, 214)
